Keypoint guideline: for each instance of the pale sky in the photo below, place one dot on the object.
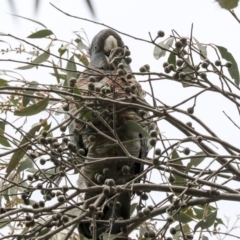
(137, 18)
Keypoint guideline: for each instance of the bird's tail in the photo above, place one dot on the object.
(115, 209)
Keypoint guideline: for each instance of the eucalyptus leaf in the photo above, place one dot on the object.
(3, 83)
(41, 34)
(202, 49)
(184, 218)
(132, 208)
(228, 4)
(233, 70)
(107, 236)
(27, 163)
(172, 59)
(29, 19)
(159, 52)
(195, 161)
(20, 152)
(206, 223)
(39, 59)
(179, 181)
(3, 139)
(71, 70)
(63, 49)
(81, 45)
(33, 109)
(134, 126)
(60, 76)
(5, 42)
(56, 72)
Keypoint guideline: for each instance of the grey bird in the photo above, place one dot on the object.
(110, 122)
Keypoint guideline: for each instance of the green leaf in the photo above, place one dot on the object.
(18, 155)
(3, 140)
(26, 99)
(179, 181)
(132, 208)
(25, 165)
(172, 59)
(107, 236)
(86, 114)
(233, 70)
(6, 43)
(41, 34)
(189, 71)
(228, 4)
(158, 52)
(4, 222)
(61, 76)
(82, 58)
(41, 58)
(77, 92)
(202, 49)
(210, 219)
(29, 19)
(208, 222)
(56, 72)
(33, 109)
(195, 161)
(133, 126)
(90, 6)
(3, 83)
(43, 232)
(184, 218)
(71, 70)
(63, 49)
(198, 212)
(219, 221)
(81, 45)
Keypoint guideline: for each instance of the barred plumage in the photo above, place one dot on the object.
(99, 134)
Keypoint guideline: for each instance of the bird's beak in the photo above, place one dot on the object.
(110, 44)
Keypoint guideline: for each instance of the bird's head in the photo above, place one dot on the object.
(105, 41)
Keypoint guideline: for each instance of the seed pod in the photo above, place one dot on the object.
(72, 82)
(60, 198)
(65, 107)
(92, 79)
(125, 169)
(127, 53)
(144, 196)
(129, 76)
(157, 151)
(146, 211)
(151, 234)
(110, 182)
(65, 219)
(190, 110)
(160, 33)
(140, 214)
(120, 72)
(142, 69)
(178, 44)
(91, 86)
(153, 133)
(218, 63)
(186, 151)
(173, 231)
(120, 66)
(170, 219)
(128, 60)
(228, 64)
(106, 191)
